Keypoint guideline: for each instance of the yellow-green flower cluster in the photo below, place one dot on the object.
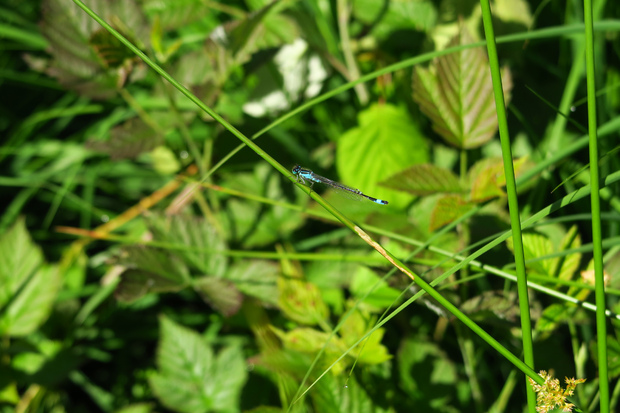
(550, 394)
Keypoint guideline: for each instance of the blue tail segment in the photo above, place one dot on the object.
(306, 175)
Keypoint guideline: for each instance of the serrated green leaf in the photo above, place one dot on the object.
(484, 176)
(424, 179)
(612, 267)
(176, 14)
(256, 278)
(178, 395)
(552, 316)
(112, 53)
(155, 261)
(355, 326)
(204, 242)
(240, 33)
(219, 293)
(382, 296)
(487, 177)
(330, 395)
(76, 63)
(420, 15)
(535, 246)
(569, 264)
(447, 209)
(309, 340)
(230, 374)
(613, 356)
(19, 259)
(190, 378)
(279, 29)
(456, 93)
(385, 142)
(179, 348)
(136, 284)
(33, 303)
(28, 288)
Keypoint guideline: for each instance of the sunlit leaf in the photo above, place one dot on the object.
(536, 246)
(301, 301)
(19, 259)
(613, 356)
(396, 17)
(309, 340)
(229, 376)
(612, 267)
(204, 243)
(154, 260)
(28, 288)
(356, 325)
(484, 177)
(487, 177)
(424, 179)
(513, 11)
(382, 296)
(331, 395)
(256, 278)
(456, 93)
(33, 303)
(570, 263)
(371, 351)
(190, 377)
(385, 142)
(164, 160)
(175, 14)
(447, 209)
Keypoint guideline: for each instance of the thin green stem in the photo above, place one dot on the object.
(349, 58)
(513, 204)
(601, 327)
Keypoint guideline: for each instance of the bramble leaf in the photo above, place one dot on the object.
(424, 179)
(28, 287)
(85, 57)
(456, 93)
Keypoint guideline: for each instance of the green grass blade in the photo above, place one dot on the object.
(601, 326)
(511, 191)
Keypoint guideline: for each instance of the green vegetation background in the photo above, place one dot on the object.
(149, 263)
